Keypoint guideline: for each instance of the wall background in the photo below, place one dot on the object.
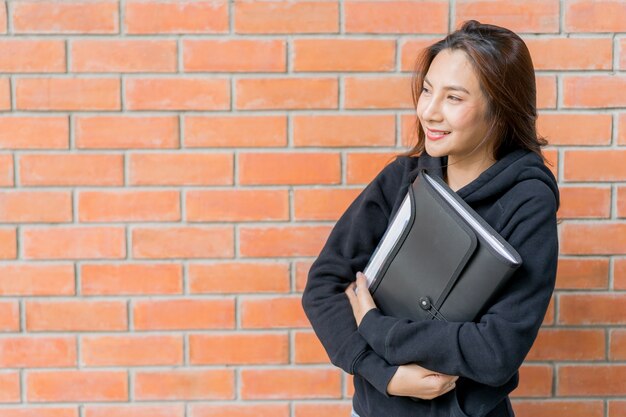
(169, 171)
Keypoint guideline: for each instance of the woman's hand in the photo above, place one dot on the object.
(413, 380)
(361, 301)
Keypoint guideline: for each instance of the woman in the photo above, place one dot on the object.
(475, 100)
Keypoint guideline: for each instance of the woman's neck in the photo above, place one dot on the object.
(461, 172)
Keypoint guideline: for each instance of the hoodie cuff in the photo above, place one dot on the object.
(374, 328)
(375, 370)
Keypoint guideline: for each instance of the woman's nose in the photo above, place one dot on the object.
(432, 110)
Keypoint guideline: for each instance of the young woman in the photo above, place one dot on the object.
(475, 100)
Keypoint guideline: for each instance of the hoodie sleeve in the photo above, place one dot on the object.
(348, 248)
(491, 350)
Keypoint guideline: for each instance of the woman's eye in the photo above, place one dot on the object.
(454, 98)
(424, 90)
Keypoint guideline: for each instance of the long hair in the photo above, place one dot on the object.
(506, 76)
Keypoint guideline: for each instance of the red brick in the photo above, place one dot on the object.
(621, 202)
(225, 131)
(148, 17)
(326, 409)
(302, 93)
(73, 242)
(302, 272)
(344, 130)
(238, 349)
(238, 277)
(290, 383)
(17, 55)
(35, 206)
(596, 165)
(568, 345)
(619, 274)
(570, 53)
(344, 55)
(9, 316)
(617, 408)
(177, 94)
(39, 132)
(134, 279)
(6, 170)
(240, 410)
(128, 206)
(126, 132)
(323, 204)
(3, 17)
(76, 315)
(37, 352)
(594, 91)
(410, 50)
(617, 345)
(549, 317)
(46, 411)
(516, 15)
(8, 243)
(5, 94)
(595, 16)
(236, 55)
(184, 314)
(281, 241)
(9, 387)
(592, 308)
(308, 349)
(546, 91)
(591, 380)
(161, 410)
(396, 17)
(211, 384)
(67, 94)
(585, 202)
(132, 350)
(237, 205)
(361, 168)
(65, 17)
(36, 279)
(115, 55)
(582, 273)
(593, 239)
(71, 169)
(286, 17)
(181, 169)
(267, 313)
(622, 54)
(535, 381)
(76, 386)
(558, 407)
(378, 93)
(183, 242)
(575, 128)
(288, 168)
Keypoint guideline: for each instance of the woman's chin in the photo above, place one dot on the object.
(435, 151)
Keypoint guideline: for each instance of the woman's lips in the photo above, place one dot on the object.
(436, 134)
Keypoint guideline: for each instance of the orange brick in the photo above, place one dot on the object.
(516, 15)
(76, 315)
(585, 202)
(237, 205)
(570, 53)
(535, 381)
(6, 170)
(595, 16)
(568, 345)
(302, 272)
(134, 410)
(76, 386)
(617, 408)
(112, 55)
(128, 205)
(181, 169)
(546, 91)
(133, 350)
(235, 55)
(594, 91)
(286, 17)
(621, 202)
(617, 345)
(361, 168)
(3, 17)
(142, 17)
(138, 279)
(17, 55)
(549, 317)
(323, 204)
(5, 94)
(408, 130)
(240, 410)
(544, 408)
(35, 206)
(177, 93)
(79, 16)
(183, 242)
(9, 316)
(344, 55)
(280, 241)
(582, 273)
(378, 93)
(607, 308)
(575, 128)
(8, 243)
(290, 383)
(410, 50)
(36, 279)
(238, 277)
(184, 314)
(593, 239)
(46, 411)
(621, 124)
(37, 352)
(323, 409)
(596, 165)
(591, 380)
(71, 169)
(287, 93)
(266, 313)
(73, 242)
(288, 168)
(9, 387)
(308, 349)
(349, 385)
(126, 132)
(619, 274)
(213, 384)
(67, 94)
(238, 349)
(396, 17)
(26, 132)
(344, 130)
(225, 131)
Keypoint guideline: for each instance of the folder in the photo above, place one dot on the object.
(438, 259)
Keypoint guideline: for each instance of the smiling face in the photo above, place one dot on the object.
(451, 101)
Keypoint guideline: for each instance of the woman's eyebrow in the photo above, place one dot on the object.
(449, 87)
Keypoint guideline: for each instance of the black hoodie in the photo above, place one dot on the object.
(518, 197)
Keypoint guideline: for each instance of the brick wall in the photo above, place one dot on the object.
(169, 171)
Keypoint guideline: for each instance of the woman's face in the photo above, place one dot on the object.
(451, 101)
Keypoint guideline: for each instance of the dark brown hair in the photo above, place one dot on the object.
(507, 79)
